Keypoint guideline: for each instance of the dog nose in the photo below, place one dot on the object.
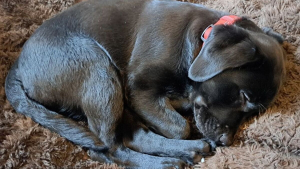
(226, 139)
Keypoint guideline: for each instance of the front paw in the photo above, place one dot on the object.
(197, 149)
(211, 143)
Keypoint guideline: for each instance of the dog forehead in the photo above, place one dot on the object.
(218, 88)
(227, 86)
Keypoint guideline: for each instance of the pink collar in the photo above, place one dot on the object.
(225, 20)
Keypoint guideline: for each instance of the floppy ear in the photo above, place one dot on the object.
(270, 32)
(227, 47)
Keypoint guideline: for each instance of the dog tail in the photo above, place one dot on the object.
(65, 127)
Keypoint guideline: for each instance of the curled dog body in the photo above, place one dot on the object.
(125, 67)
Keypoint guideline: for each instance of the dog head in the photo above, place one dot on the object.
(238, 72)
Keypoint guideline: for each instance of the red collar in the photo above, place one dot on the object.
(225, 20)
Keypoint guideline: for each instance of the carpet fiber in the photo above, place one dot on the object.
(271, 140)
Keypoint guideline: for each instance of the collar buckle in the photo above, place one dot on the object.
(202, 35)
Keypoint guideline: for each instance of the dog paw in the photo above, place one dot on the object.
(212, 144)
(206, 147)
(197, 149)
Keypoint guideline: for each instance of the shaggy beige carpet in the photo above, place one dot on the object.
(271, 140)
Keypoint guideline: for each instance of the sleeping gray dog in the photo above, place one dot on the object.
(133, 69)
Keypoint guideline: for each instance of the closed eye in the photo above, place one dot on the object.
(249, 104)
(245, 97)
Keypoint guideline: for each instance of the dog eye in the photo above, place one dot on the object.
(245, 96)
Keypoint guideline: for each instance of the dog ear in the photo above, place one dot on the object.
(272, 33)
(227, 47)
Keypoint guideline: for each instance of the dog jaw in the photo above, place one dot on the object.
(210, 127)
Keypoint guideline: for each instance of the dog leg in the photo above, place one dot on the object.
(101, 95)
(55, 122)
(161, 116)
(135, 160)
(102, 103)
(191, 151)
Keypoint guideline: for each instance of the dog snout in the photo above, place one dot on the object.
(225, 139)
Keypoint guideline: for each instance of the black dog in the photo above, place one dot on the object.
(129, 67)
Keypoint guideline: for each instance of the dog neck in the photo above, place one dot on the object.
(225, 20)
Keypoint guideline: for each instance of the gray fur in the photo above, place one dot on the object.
(131, 69)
